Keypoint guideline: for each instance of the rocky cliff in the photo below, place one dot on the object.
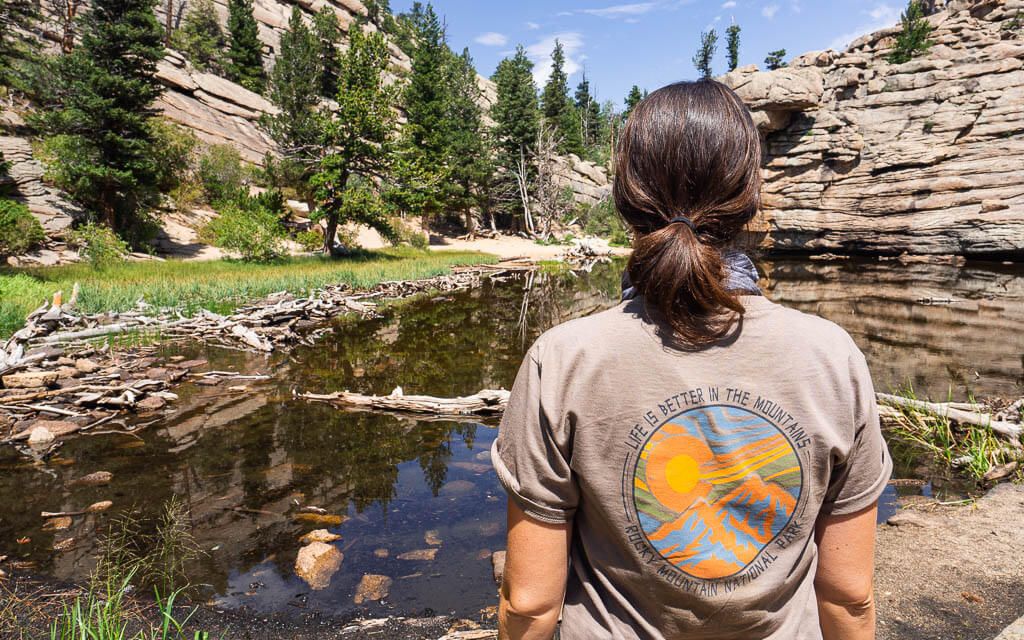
(926, 157)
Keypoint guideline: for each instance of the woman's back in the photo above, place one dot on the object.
(694, 478)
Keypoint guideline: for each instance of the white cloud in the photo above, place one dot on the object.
(882, 16)
(540, 53)
(620, 10)
(532, 26)
(492, 39)
(564, 13)
(729, 5)
(770, 11)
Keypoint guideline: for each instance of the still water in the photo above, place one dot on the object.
(245, 463)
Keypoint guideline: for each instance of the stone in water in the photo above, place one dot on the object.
(317, 563)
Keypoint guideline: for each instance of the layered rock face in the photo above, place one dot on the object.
(25, 178)
(926, 157)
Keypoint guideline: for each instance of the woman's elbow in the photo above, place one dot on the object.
(524, 603)
(857, 603)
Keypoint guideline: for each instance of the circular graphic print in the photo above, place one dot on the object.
(713, 486)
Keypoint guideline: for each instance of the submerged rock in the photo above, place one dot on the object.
(96, 479)
(57, 524)
(316, 518)
(100, 506)
(316, 563)
(372, 587)
(458, 486)
(432, 537)
(319, 535)
(419, 554)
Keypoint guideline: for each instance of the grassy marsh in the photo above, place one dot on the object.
(219, 286)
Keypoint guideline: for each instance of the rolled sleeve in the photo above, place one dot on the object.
(532, 452)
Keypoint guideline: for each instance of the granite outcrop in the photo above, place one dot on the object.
(926, 157)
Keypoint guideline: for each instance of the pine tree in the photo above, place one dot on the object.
(775, 59)
(425, 94)
(589, 111)
(732, 44)
(708, 46)
(469, 165)
(295, 90)
(515, 111)
(245, 50)
(327, 30)
(913, 39)
(101, 149)
(632, 100)
(559, 112)
(200, 37)
(15, 16)
(357, 140)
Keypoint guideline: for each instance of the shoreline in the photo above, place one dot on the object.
(930, 585)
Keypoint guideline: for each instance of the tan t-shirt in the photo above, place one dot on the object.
(693, 479)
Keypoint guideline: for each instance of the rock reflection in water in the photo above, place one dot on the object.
(973, 346)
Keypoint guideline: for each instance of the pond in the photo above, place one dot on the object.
(419, 501)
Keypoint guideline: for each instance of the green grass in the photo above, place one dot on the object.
(219, 286)
(947, 441)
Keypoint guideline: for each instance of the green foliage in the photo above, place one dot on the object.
(589, 111)
(19, 229)
(913, 39)
(327, 31)
(244, 57)
(732, 45)
(425, 96)
(559, 112)
(200, 38)
(310, 240)
(97, 116)
(468, 160)
(1015, 25)
(602, 220)
(929, 125)
(172, 155)
(99, 244)
(357, 139)
(515, 111)
(775, 59)
(250, 226)
(708, 46)
(632, 100)
(15, 49)
(222, 174)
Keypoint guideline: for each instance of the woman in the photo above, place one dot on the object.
(708, 460)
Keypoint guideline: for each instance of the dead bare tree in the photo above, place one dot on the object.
(173, 14)
(64, 13)
(551, 200)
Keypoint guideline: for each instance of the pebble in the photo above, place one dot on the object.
(419, 554)
(40, 435)
(96, 479)
(86, 366)
(372, 587)
(100, 506)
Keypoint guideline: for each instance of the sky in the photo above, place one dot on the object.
(649, 44)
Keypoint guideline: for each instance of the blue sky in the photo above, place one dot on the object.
(649, 44)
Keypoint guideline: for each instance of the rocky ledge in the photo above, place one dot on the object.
(926, 157)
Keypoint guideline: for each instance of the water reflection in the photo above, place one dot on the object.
(245, 463)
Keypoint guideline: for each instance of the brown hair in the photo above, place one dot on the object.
(688, 179)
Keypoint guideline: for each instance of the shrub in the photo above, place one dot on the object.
(200, 38)
(222, 174)
(913, 40)
(99, 244)
(603, 221)
(174, 156)
(310, 240)
(251, 226)
(19, 229)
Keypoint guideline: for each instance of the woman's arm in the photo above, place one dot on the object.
(844, 583)
(536, 568)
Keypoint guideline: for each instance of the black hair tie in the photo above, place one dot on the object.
(685, 221)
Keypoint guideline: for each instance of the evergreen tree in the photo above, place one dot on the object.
(425, 94)
(775, 59)
(708, 46)
(328, 35)
(200, 37)
(245, 50)
(732, 45)
(632, 100)
(913, 39)
(101, 152)
(469, 163)
(515, 111)
(294, 89)
(15, 16)
(559, 111)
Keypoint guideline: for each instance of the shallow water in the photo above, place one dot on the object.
(243, 463)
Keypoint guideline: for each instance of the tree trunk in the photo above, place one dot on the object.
(332, 230)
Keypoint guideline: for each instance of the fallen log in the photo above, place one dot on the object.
(1005, 429)
(488, 402)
